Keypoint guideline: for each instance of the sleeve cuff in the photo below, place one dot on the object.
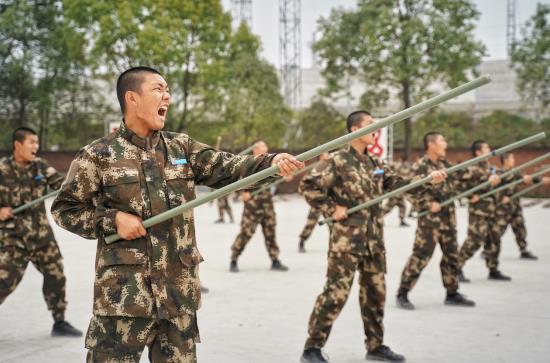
(105, 222)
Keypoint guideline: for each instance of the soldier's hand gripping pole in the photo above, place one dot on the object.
(450, 170)
(487, 183)
(509, 185)
(331, 145)
(34, 202)
(526, 190)
(282, 180)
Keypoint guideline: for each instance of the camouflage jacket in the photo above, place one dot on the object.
(260, 203)
(351, 179)
(154, 276)
(428, 193)
(509, 208)
(473, 176)
(19, 185)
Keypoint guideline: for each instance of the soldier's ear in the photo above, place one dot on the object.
(131, 98)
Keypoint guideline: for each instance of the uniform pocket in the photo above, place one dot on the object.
(180, 182)
(123, 256)
(190, 257)
(122, 189)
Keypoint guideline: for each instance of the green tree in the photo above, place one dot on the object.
(185, 39)
(319, 123)
(253, 105)
(403, 45)
(531, 60)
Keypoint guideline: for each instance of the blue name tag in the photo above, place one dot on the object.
(39, 177)
(378, 172)
(179, 161)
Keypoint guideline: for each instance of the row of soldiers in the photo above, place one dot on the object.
(147, 288)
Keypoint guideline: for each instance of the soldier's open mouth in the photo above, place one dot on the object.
(162, 111)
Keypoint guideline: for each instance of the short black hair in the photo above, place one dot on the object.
(131, 80)
(504, 157)
(355, 118)
(430, 137)
(476, 146)
(20, 133)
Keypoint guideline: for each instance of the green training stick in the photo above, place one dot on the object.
(526, 190)
(506, 186)
(310, 154)
(247, 150)
(282, 180)
(450, 170)
(487, 183)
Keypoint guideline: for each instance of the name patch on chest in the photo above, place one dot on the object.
(378, 172)
(178, 161)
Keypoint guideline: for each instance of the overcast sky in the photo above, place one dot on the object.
(491, 29)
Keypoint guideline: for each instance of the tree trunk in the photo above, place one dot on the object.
(407, 123)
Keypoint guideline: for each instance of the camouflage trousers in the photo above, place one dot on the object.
(250, 220)
(48, 261)
(482, 231)
(312, 218)
(372, 297)
(393, 202)
(517, 222)
(122, 339)
(223, 206)
(424, 244)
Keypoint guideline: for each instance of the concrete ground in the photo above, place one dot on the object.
(260, 316)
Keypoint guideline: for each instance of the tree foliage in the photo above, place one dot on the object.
(531, 60)
(399, 45)
(319, 123)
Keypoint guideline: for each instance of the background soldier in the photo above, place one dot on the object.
(509, 211)
(313, 214)
(437, 227)
(223, 206)
(351, 177)
(403, 168)
(27, 236)
(258, 209)
(482, 227)
(147, 288)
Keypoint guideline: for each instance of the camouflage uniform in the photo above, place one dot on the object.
(356, 243)
(482, 226)
(28, 235)
(434, 228)
(258, 210)
(146, 290)
(511, 213)
(313, 214)
(399, 201)
(223, 206)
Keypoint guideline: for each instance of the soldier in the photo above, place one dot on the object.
(482, 227)
(313, 214)
(147, 288)
(223, 206)
(509, 211)
(399, 201)
(257, 209)
(351, 177)
(438, 227)
(27, 236)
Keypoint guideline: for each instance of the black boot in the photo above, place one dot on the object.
(497, 275)
(205, 290)
(301, 247)
(64, 329)
(403, 301)
(385, 354)
(462, 278)
(276, 265)
(313, 355)
(404, 224)
(219, 221)
(526, 255)
(233, 266)
(457, 299)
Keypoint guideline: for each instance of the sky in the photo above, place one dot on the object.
(491, 27)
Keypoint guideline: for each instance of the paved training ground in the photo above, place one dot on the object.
(259, 316)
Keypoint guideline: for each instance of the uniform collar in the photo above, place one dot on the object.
(355, 153)
(429, 161)
(147, 143)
